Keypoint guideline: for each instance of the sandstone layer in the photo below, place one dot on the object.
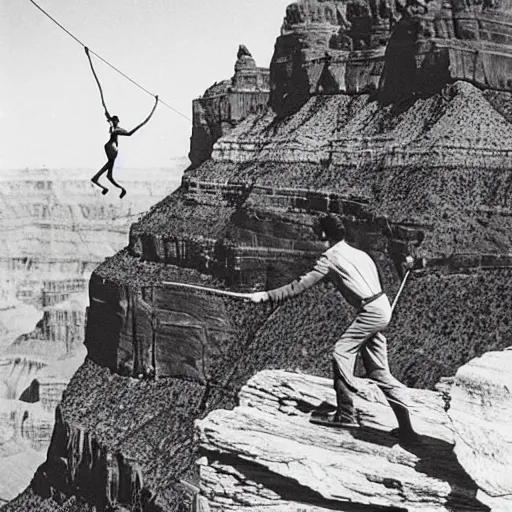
(265, 453)
(393, 49)
(481, 413)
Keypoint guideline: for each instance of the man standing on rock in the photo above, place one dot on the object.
(355, 275)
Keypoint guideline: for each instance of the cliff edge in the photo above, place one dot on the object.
(265, 455)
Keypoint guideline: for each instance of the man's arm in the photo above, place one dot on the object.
(278, 295)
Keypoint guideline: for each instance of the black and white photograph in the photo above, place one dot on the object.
(256, 256)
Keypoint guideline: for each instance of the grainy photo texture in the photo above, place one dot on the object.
(256, 256)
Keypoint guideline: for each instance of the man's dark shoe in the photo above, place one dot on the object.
(334, 420)
(323, 409)
(342, 417)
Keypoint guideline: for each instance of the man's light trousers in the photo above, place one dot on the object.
(363, 336)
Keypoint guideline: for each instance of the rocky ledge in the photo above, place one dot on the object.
(266, 455)
(481, 413)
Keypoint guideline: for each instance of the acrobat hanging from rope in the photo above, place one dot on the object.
(111, 146)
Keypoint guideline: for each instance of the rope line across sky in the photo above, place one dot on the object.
(107, 62)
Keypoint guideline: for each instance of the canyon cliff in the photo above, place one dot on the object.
(395, 116)
(56, 227)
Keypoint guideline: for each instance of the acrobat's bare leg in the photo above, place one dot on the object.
(96, 177)
(110, 177)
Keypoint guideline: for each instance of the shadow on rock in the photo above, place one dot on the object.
(291, 490)
(436, 460)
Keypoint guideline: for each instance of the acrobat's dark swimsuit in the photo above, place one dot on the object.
(111, 146)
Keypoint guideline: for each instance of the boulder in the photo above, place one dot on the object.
(266, 453)
(481, 412)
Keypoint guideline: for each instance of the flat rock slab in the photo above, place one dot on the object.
(266, 453)
(481, 412)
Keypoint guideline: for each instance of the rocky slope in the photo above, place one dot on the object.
(426, 173)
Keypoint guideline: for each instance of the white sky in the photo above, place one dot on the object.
(50, 109)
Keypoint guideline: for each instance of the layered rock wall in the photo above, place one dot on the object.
(246, 218)
(55, 292)
(265, 453)
(249, 225)
(227, 103)
(61, 225)
(399, 49)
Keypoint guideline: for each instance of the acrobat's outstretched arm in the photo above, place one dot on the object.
(107, 115)
(132, 131)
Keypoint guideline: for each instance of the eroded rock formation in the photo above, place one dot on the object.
(225, 104)
(481, 411)
(429, 176)
(396, 48)
(405, 182)
(244, 220)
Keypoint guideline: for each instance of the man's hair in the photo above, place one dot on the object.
(333, 227)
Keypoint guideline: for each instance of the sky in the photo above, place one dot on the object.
(50, 108)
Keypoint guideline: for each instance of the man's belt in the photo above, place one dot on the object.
(365, 302)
